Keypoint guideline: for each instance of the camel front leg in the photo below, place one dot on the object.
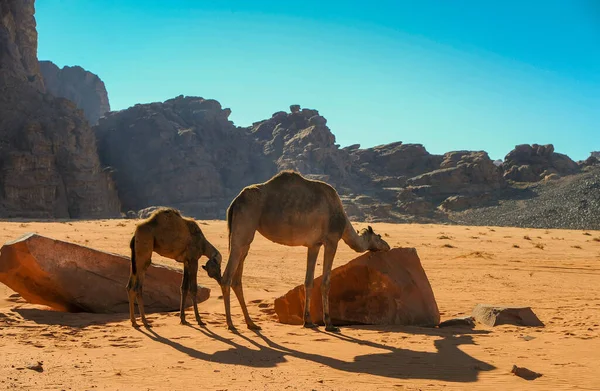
(311, 261)
(193, 284)
(185, 285)
(330, 249)
(239, 292)
(235, 259)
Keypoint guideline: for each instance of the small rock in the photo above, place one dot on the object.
(494, 315)
(36, 367)
(525, 373)
(464, 321)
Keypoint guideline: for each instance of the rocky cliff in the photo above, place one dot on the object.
(83, 88)
(18, 46)
(49, 166)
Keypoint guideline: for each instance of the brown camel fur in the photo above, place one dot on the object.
(294, 211)
(169, 234)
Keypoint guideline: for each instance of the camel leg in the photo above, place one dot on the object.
(313, 253)
(193, 283)
(236, 285)
(131, 294)
(140, 299)
(185, 285)
(330, 249)
(236, 258)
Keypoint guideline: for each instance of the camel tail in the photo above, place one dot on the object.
(229, 221)
(132, 247)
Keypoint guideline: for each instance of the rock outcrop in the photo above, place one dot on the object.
(49, 165)
(183, 153)
(375, 288)
(301, 141)
(464, 179)
(69, 277)
(83, 88)
(390, 165)
(532, 163)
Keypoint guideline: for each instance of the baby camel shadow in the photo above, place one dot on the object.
(71, 319)
(448, 363)
(238, 354)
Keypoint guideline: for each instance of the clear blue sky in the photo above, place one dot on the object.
(460, 74)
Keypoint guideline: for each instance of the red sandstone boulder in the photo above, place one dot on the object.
(69, 277)
(375, 288)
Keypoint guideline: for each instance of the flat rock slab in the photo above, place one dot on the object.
(491, 315)
(69, 277)
(375, 288)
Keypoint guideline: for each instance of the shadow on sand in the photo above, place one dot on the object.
(448, 363)
(71, 319)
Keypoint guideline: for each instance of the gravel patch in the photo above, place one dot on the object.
(572, 202)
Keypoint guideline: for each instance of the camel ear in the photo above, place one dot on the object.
(204, 267)
(370, 229)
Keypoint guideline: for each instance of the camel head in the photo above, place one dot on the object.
(213, 267)
(375, 242)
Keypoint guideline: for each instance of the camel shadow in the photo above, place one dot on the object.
(447, 363)
(71, 319)
(237, 354)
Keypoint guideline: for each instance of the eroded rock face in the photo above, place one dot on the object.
(183, 153)
(375, 288)
(18, 45)
(69, 277)
(532, 163)
(83, 88)
(301, 141)
(396, 160)
(49, 164)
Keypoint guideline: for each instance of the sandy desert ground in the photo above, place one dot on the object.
(556, 272)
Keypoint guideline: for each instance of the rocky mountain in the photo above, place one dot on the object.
(186, 153)
(83, 88)
(49, 165)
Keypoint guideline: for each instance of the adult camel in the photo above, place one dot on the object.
(294, 211)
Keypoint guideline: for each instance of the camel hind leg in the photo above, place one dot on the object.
(141, 253)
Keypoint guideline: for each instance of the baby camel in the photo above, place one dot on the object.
(294, 211)
(169, 234)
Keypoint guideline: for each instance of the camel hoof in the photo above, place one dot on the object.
(201, 323)
(135, 325)
(231, 328)
(310, 325)
(147, 325)
(254, 327)
(332, 329)
(184, 322)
